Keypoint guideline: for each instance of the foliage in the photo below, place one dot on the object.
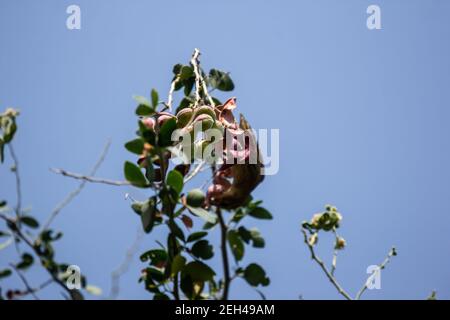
(31, 242)
(178, 267)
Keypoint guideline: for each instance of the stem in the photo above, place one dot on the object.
(18, 184)
(324, 268)
(335, 253)
(223, 247)
(391, 253)
(25, 282)
(89, 178)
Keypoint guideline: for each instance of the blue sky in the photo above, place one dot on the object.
(362, 116)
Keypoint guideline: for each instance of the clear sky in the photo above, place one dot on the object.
(363, 118)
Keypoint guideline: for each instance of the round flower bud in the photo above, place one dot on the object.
(340, 243)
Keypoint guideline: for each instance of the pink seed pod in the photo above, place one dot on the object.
(163, 117)
(149, 123)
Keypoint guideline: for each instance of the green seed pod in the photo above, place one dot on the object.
(195, 198)
(205, 110)
(184, 116)
(206, 121)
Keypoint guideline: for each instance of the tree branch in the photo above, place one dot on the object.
(75, 192)
(223, 247)
(324, 268)
(90, 178)
(199, 81)
(25, 282)
(381, 266)
(124, 266)
(18, 183)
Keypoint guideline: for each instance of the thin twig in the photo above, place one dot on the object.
(124, 266)
(223, 247)
(195, 63)
(18, 183)
(194, 172)
(90, 178)
(324, 268)
(335, 253)
(171, 91)
(25, 281)
(80, 187)
(381, 266)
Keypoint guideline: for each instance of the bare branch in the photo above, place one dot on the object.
(124, 266)
(194, 172)
(335, 254)
(171, 91)
(90, 178)
(199, 81)
(18, 183)
(223, 247)
(381, 266)
(75, 192)
(324, 268)
(25, 281)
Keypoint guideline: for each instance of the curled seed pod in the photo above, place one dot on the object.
(205, 110)
(184, 116)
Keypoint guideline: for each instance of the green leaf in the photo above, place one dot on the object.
(188, 85)
(175, 181)
(150, 171)
(29, 221)
(204, 214)
(155, 274)
(198, 271)
(5, 273)
(134, 175)
(142, 101)
(155, 98)
(196, 236)
(220, 80)
(160, 296)
(178, 264)
(144, 110)
(176, 230)
(186, 72)
(165, 132)
(27, 260)
(260, 213)
(202, 249)
(255, 275)
(156, 256)
(258, 240)
(148, 215)
(2, 150)
(47, 236)
(135, 146)
(94, 290)
(236, 244)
